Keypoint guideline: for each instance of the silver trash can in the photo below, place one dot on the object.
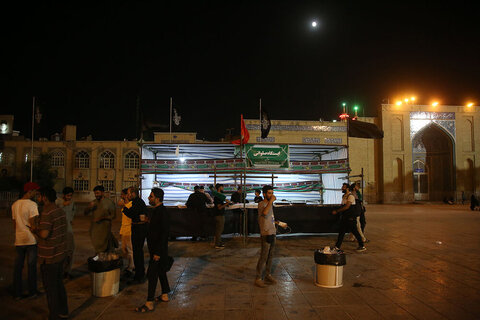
(105, 276)
(106, 284)
(329, 269)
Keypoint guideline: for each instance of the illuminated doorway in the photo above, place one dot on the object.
(433, 164)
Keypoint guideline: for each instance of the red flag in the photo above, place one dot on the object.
(244, 133)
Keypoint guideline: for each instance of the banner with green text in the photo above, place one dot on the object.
(267, 156)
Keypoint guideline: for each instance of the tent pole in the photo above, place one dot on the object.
(363, 194)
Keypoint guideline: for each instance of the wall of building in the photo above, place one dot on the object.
(362, 155)
(174, 137)
(362, 152)
(115, 175)
(396, 183)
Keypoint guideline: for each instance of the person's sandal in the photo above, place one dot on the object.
(143, 309)
(160, 298)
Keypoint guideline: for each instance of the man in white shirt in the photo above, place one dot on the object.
(24, 212)
(348, 220)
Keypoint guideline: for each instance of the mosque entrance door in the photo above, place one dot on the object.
(420, 180)
(432, 164)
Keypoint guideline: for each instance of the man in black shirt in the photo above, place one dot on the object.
(197, 201)
(157, 241)
(237, 197)
(258, 197)
(137, 212)
(219, 212)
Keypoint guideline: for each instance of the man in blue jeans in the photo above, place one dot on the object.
(267, 222)
(24, 213)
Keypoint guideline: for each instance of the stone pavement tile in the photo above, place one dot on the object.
(392, 312)
(208, 315)
(239, 302)
(421, 311)
(288, 287)
(268, 301)
(371, 295)
(332, 313)
(469, 304)
(345, 296)
(177, 315)
(426, 296)
(320, 299)
(210, 302)
(451, 311)
(294, 300)
(239, 314)
(399, 296)
(239, 289)
(301, 313)
(269, 314)
(282, 274)
(268, 290)
(362, 312)
(307, 285)
(183, 300)
(11, 309)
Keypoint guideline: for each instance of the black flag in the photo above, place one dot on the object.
(176, 118)
(265, 123)
(360, 129)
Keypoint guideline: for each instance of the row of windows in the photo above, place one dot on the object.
(109, 185)
(107, 160)
(131, 160)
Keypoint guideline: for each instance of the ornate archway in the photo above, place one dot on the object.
(433, 149)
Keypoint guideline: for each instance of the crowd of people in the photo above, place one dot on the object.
(46, 237)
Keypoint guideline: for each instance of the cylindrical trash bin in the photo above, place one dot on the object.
(329, 269)
(105, 277)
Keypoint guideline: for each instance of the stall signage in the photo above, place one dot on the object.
(274, 156)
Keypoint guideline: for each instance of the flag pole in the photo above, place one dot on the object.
(260, 114)
(171, 119)
(348, 150)
(31, 153)
(241, 175)
(244, 190)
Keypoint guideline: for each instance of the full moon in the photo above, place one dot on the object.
(314, 24)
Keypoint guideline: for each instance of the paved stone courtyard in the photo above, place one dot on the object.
(423, 262)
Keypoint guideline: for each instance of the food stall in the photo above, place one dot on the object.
(306, 179)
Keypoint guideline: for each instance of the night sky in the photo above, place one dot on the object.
(87, 65)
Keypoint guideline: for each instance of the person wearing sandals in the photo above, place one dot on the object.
(157, 241)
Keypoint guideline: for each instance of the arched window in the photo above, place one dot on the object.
(28, 157)
(57, 159)
(107, 160)
(7, 158)
(132, 160)
(82, 160)
(419, 166)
